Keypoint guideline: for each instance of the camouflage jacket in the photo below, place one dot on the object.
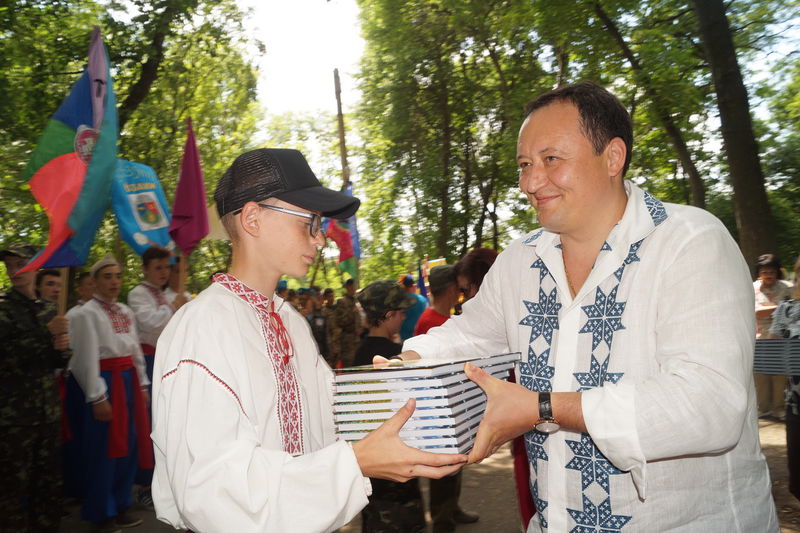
(345, 318)
(28, 393)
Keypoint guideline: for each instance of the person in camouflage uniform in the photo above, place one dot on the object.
(345, 326)
(393, 507)
(34, 342)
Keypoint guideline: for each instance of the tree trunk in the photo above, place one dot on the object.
(698, 191)
(751, 207)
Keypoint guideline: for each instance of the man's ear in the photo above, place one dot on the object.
(616, 151)
(248, 219)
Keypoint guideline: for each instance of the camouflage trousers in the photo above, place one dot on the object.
(394, 508)
(30, 478)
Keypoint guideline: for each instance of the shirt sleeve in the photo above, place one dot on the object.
(212, 473)
(85, 362)
(780, 320)
(697, 399)
(478, 330)
(149, 315)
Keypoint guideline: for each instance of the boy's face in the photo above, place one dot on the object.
(86, 288)
(108, 282)
(285, 246)
(49, 288)
(19, 281)
(157, 271)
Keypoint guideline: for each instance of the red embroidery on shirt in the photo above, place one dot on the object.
(157, 293)
(120, 321)
(210, 373)
(279, 352)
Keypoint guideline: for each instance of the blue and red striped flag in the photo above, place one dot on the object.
(72, 167)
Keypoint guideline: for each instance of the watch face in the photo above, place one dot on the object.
(548, 426)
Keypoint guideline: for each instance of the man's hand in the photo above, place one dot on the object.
(408, 355)
(61, 342)
(59, 325)
(146, 396)
(511, 410)
(179, 300)
(102, 411)
(382, 454)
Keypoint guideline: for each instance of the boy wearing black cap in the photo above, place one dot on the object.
(243, 425)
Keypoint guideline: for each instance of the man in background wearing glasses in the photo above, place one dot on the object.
(242, 401)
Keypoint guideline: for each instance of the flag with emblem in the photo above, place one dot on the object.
(345, 235)
(71, 170)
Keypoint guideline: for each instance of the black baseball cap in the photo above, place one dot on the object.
(279, 173)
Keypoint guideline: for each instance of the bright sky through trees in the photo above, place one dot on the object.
(305, 40)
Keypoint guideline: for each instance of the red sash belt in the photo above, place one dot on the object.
(118, 428)
(148, 349)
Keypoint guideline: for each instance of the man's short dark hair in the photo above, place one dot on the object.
(82, 276)
(40, 275)
(602, 115)
(350, 282)
(769, 261)
(153, 253)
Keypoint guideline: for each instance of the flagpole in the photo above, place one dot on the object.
(63, 273)
(343, 144)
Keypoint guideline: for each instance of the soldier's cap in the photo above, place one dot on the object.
(25, 251)
(380, 297)
(107, 261)
(440, 277)
(281, 173)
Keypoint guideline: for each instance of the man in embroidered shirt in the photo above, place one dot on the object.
(648, 358)
(109, 368)
(242, 401)
(152, 311)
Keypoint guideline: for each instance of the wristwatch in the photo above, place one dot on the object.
(546, 422)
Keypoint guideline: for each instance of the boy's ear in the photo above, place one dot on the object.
(248, 221)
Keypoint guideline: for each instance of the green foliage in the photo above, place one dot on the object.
(205, 74)
(444, 83)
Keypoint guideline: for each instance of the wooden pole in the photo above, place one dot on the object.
(63, 296)
(342, 144)
(340, 121)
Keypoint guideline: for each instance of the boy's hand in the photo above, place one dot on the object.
(382, 454)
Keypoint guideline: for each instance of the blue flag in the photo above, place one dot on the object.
(140, 207)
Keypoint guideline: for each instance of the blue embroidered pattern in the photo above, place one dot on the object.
(535, 373)
(591, 463)
(541, 504)
(534, 445)
(656, 209)
(594, 519)
(632, 257)
(533, 237)
(606, 247)
(597, 375)
(604, 317)
(543, 317)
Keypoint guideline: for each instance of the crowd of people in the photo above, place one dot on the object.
(634, 406)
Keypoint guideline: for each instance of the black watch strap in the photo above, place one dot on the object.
(545, 407)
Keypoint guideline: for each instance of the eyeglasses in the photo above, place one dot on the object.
(313, 227)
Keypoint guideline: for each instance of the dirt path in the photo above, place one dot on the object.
(488, 490)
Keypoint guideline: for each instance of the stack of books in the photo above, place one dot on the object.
(449, 405)
(779, 357)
